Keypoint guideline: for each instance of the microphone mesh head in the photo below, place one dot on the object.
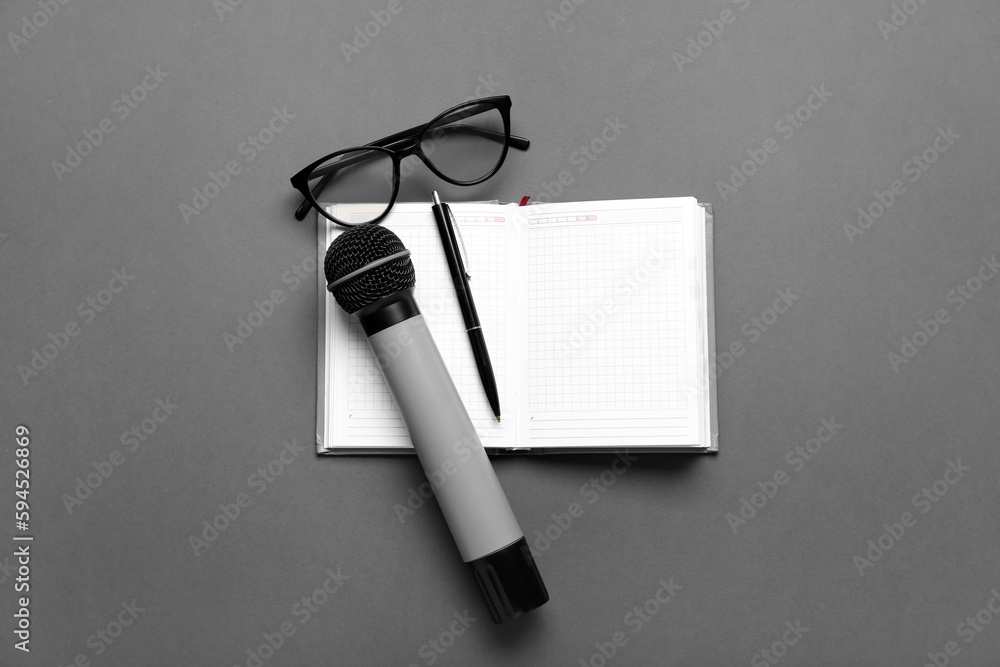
(358, 247)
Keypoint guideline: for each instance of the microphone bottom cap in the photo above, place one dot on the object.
(510, 581)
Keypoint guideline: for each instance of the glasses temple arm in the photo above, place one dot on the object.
(515, 141)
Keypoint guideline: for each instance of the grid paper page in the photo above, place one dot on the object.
(364, 412)
(610, 348)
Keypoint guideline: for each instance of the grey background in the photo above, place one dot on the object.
(162, 337)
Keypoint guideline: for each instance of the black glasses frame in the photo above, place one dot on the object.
(409, 142)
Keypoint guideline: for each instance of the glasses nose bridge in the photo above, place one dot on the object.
(406, 147)
(412, 146)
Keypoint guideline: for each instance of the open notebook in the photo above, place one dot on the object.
(598, 317)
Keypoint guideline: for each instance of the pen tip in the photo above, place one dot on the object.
(436, 199)
(498, 419)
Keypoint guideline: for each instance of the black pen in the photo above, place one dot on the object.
(446, 226)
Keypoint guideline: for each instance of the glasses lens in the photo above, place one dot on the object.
(467, 144)
(360, 176)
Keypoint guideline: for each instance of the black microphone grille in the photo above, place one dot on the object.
(390, 269)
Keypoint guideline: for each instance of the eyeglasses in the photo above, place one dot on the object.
(464, 145)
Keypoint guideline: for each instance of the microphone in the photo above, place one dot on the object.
(369, 272)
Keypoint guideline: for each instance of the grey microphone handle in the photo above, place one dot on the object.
(446, 442)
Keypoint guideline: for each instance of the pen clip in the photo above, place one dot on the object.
(463, 253)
